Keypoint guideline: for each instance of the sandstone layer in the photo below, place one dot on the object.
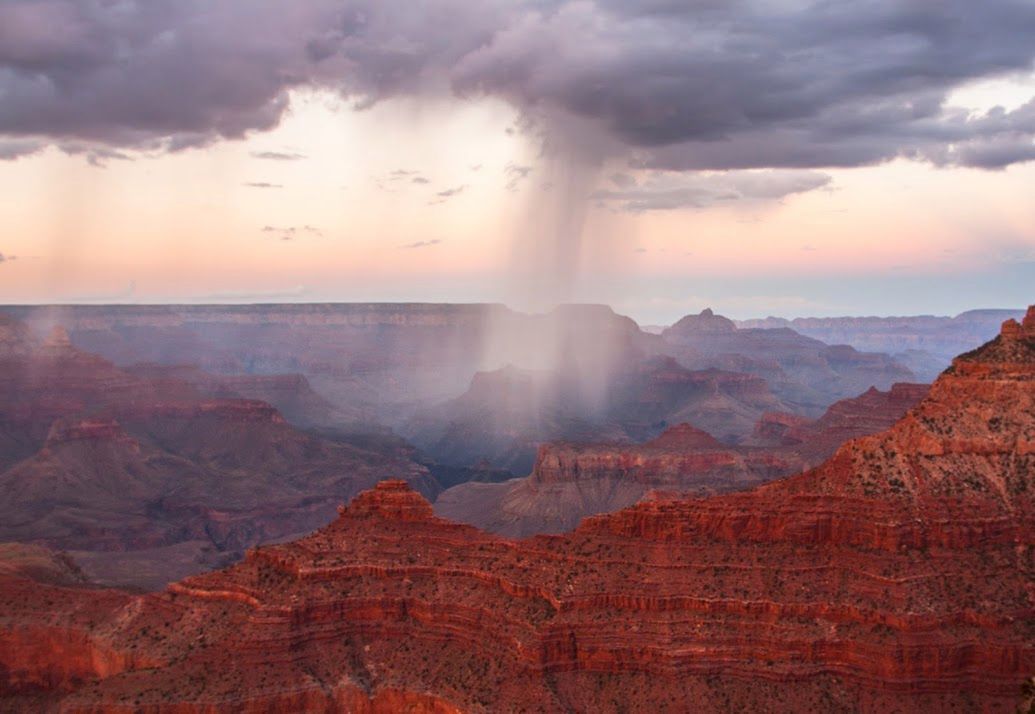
(897, 576)
(97, 458)
(570, 481)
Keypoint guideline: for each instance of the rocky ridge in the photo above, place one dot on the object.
(570, 481)
(895, 577)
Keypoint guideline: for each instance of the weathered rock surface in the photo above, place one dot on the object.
(800, 370)
(386, 363)
(925, 343)
(95, 458)
(291, 394)
(570, 481)
(898, 576)
(506, 415)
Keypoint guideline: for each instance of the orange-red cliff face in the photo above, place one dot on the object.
(571, 480)
(898, 576)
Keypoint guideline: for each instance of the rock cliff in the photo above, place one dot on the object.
(100, 459)
(570, 481)
(802, 371)
(897, 576)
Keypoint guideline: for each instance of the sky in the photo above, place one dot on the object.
(781, 158)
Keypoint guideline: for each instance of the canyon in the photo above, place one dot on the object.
(102, 460)
(895, 576)
(924, 343)
(570, 481)
(800, 370)
(421, 370)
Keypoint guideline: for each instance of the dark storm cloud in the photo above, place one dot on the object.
(11, 149)
(681, 85)
(95, 155)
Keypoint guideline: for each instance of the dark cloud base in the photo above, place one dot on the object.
(679, 86)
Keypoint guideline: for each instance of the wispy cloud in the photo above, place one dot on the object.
(515, 174)
(262, 184)
(421, 244)
(443, 196)
(450, 192)
(278, 155)
(288, 233)
(398, 177)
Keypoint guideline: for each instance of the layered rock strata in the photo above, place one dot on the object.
(898, 576)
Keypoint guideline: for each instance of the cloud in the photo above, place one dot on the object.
(399, 176)
(288, 233)
(665, 191)
(622, 180)
(445, 195)
(450, 192)
(262, 184)
(11, 149)
(421, 244)
(701, 85)
(4, 259)
(515, 174)
(278, 155)
(95, 155)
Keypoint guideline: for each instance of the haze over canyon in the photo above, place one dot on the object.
(581, 356)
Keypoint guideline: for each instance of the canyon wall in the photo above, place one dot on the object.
(897, 576)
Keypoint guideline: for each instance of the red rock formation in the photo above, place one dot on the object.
(800, 370)
(571, 481)
(847, 419)
(895, 577)
(95, 458)
(291, 394)
(506, 414)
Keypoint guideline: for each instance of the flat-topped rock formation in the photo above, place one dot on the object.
(897, 576)
(570, 481)
(386, 363)
(868, 413)
(925, 343)
(507, 414)
(800, 370)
